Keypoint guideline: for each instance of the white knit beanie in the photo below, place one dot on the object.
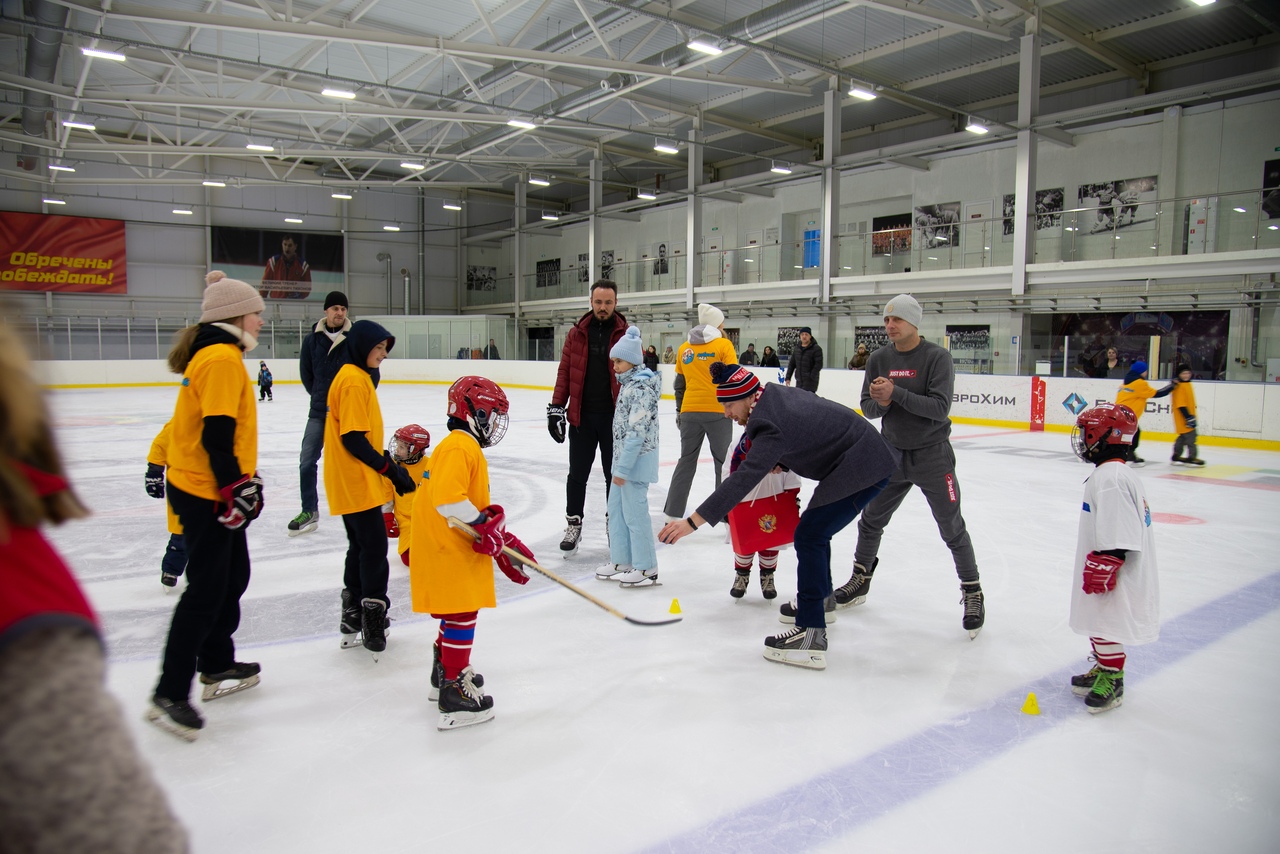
(709, 315)
(905, 307)
(227, 299)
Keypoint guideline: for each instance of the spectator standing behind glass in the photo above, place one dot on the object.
(323, 353)
(668, 356)
(769, 358)
(491, 352)
(859, 360)
(651, 358)
(748, 359)
(806, 363)
(1111, 368)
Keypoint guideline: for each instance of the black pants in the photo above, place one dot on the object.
(208, 613)
(595, 429)
(1133, 449)
(365, 574)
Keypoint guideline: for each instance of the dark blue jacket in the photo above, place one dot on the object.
(319, 364)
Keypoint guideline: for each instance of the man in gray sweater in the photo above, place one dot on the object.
(908, 386)
(817, 439)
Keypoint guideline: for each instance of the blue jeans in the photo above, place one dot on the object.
(312, 447)
(631, 538)
(813, 551)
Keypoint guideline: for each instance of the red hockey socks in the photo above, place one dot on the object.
(1110, 655)
(457, 632)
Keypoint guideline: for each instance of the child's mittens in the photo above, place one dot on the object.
(1100, 572)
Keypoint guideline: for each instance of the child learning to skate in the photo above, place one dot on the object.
(450, 573)
(1134, 394)
(264, 382)
(175, 553)
(774, 483)
(633, 558)
(408, 447)
(1184, 419)
(1115, 598)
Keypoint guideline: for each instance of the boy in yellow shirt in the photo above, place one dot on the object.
(1134, 394)
(1184, 419)
(408, 447)
(353, 481)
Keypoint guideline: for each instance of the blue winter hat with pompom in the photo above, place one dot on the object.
(628, 348)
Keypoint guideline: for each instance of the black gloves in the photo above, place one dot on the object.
(395, 473)
(243, 502)
(556, 422)
(155, 480)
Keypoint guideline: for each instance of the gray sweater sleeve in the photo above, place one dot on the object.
(940, 380)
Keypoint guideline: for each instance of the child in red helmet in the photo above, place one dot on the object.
(408, 448)
(1115, 598)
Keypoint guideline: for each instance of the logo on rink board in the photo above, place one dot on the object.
(1074, 403)
(1166, 408)
(985, 399)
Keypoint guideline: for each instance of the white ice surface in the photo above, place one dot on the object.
(612, 737)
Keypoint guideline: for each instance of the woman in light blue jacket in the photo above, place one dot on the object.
(632, 553)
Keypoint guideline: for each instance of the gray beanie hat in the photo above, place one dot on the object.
(227, 299)
(905, 307)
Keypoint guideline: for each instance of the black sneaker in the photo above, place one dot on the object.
(572, 534)
(740, 582)
(244, 674)
(437, 676)
(787, 613)
(175, 716)
(798, 647)
(373, 624)
(1107, 691)
(462, 703)
(767, 590)
(855, 590)
(975, 610)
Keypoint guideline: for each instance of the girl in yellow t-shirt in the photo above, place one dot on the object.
(214, 489)
(353, 479)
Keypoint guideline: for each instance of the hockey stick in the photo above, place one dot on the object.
(455, 522)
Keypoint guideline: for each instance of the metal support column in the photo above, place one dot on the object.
(1024, 233)
(693, 216)
(595, 197)
(518, 245)
(829, 245)
(1170, 220)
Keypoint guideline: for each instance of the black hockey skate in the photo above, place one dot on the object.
(1107, 691)
(437, 675)
(787, 613)
(1081, 685)
(855, 590)
(350, 623)
(572, 534)
(799, 647)
(462, 703)
(373, 625)
(741, 580)
(767, 590)
(175, 716)
(243, 673)
(975, 610)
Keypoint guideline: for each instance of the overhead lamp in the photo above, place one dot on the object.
(539, 181)
(975, 126)
(70, 123)
(665, 146)
(183, 211)
(52, 201)
(704, 44)
(391, 228)
(293, 219)
(1237, 210)
(103, 54)
(58, 167)
(523, 124)
(258, 146)
(647, 195)
(451, 205)
(780, 168)
(415, 165)
(341, 195)
(214, 183)
(1273, 228)
(550, 216)
(344, 94)
(1204, 2)
(862, 93)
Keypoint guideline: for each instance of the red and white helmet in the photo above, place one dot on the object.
(409, 443)
(483, 405)
(1106, 424)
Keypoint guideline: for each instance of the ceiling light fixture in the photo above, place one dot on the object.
(391, 228)
(780, 168)
(862, 93)
(58, 167)
(258, 146)
(452, 206)
(647, 195)
(413, 164)
(183, 211)
(70, 123)
(293, 219)
(705, 44)
(523, 124)
(539, 181)
(341, 195)
(976, 126)
(550, 216)
(1237, 210)
(1204, 2)
(52, 201)
(665, 146)
(214, 183)
(344, 94)
(103, 54)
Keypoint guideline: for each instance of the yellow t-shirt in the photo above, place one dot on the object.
(1183, 396)
(214, 383)
(402, 505)
(1134, 395)
(159, 456)
(445, 575)
(350, 485)
(694, 362)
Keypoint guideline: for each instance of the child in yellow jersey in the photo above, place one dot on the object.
(1134, 394)
(353, 479)
(175, 553)
(214, 488)
(450, 575)
(1184, 419)
(408, 447)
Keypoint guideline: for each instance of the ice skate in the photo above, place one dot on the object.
(169, 580)
(1081, 685)
(373, 625)
(1137, 461)
(304, 523)
(462, 703)
(572, 534)
(855, 590)
(767, 590)
(1107, 691)
(741, 580)
(798, 647)
(177, 717)
(349, 625)
(437, 676)
(613, 571)
(639, 578)
(1194, 461)
(975, 610)
(243, 675)
(787, 613)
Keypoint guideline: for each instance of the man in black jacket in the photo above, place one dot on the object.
(323, 353)
(806, 362)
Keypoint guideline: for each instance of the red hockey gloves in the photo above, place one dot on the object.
(511, 569)
(404, 557)
(490, 531)
(556, 422)
(155, 480)
(1100, 572)
(242, 502)
(389, 519)
(396, 473)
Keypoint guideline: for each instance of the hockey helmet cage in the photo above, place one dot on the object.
(409, 443)
(483, 405)
(1105, 424)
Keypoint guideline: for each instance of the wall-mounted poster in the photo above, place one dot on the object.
(1271, 189)
(47, 252)
(1048, 211)
(891, 234)
(1119, 204)
(938, 225)
(971, 337)
(284, 264)
(873, 336)
(606, 264)
(548, 273)
(584, 268)
(482, 278)
(660, 266)
(788, 340)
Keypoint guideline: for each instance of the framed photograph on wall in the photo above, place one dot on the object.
(606, 264)
(548, 273)
(891, 234)
(1271, 189)
(482, 278)
(938, 226)
(284, 264)
(1120, 203)
(1048, 211)
(584, 268)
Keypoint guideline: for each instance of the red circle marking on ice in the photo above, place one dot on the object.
(1175, 519)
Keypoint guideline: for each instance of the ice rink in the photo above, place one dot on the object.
(610, 737)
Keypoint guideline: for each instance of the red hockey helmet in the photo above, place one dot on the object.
(408, 444)
(483, 405)
(1105, 424)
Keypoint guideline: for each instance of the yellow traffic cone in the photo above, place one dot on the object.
(675, 606)
(1031, 707)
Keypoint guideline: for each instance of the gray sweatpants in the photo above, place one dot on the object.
(933, 469)
(1185, 440)
(694, 427)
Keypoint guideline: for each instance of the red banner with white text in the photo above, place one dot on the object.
(46, 252)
